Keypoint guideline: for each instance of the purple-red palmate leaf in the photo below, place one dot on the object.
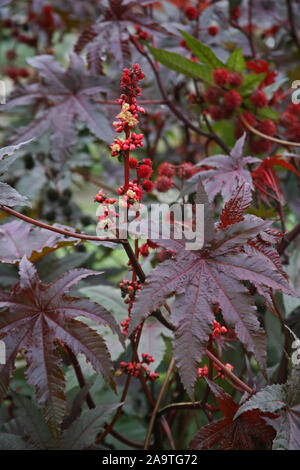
(8, 195)
(248, 432)
(227, 173)
(35, 319)
(213, 275)
(18, 238)
(285, 401)
(64, 97)
(110, 32)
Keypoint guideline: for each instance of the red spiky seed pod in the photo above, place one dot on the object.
(213, 94)
(133, 163)
(163, 184)
(144, 171)
(260, 146)
(148, 186)
(221, 76)
(259, 99)
(232, 99)
(267, 127)
(147, 161)
(187, 170)
(235, 79)
(217, 112)
(166, 169)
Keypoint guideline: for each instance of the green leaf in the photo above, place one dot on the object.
(236, 61)
(82, 433)
(251, 81)
(268, 113)
(109, 297)
(204, 53)
(29, 424)
(182, 65)
(152, 341)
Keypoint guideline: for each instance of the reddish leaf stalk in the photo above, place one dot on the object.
(67, 233)
(229, 373)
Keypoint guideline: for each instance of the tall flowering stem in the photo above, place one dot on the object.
(128, 118)
(130, 193)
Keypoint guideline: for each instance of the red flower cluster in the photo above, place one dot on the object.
(103, 199)
(131, 196)
(261, 66)
(127, 120)
(220, 371)
(135, 368)
(129, 81)
(202, 372)
(109, 213)
(218, 329)
(133, 142)
(125, 326)
(141, 34)
(129, 288)
(128, 117)
(147, 358)
(144, 249)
